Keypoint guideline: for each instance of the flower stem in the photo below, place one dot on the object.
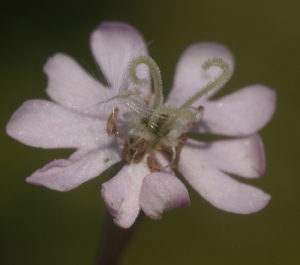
(114, 241)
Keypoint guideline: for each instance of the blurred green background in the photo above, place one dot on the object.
(41, 226)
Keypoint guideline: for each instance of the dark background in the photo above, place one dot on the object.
(41, 226)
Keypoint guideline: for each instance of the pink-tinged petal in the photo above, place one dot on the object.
(114, 45)
(71, 86)
(162, 192)
(241, 113)
(189, 75)
(64, 175)
(122, 193)
(216, 187)
(45, 124)
(242, 156)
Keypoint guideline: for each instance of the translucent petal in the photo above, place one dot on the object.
(122, 193)
(189, 75)
(64, 175)
(45, 124)
(242, 156)
(162, 192)
(114, 45)
(241, 113)
(215, 186)
(71, 86)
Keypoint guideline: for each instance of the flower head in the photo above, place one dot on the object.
(131, 122)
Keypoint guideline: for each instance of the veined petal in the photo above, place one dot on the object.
(45, 124)
(218, 188)
(71, 86)
(241, 113)
(189, 75)
(162, 192)
(114, 45)
(64, 175)
(122, 193)
(241, 156)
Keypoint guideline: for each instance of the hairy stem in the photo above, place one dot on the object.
(156, 76)
(217, 82)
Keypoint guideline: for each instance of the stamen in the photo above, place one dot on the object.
(156, 76)
(173, 155)
(201, 112)
(141, 149)
(128, 151)
(152, 164)
(112, 121)
(217, 82)
(178, 148)
(147, 99)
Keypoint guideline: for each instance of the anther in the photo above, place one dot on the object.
(147, 99)
(128, 151)
(178, 149)
(200, 115)
(201, 112)
(152, 164)
(141, 149)
(112, 121)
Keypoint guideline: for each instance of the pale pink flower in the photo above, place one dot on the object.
(69, 122)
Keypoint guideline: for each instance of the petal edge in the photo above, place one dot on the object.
(162, 192)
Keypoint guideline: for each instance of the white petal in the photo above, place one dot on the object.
(122, 193)
(42, 123)
(114, 45)
(162, 192)
(64, 175)
(189, 75)
(71, 86)
(242, 156)
(45, 124)
(218, 188)
(241, 113)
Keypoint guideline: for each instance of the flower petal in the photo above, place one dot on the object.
(71, 86)
(122, 193)
(241, 113)
(64, 175)
(243, 156)
(162, 192)
(189, 75)
(42, 123)
(218, 188)
(114, 45)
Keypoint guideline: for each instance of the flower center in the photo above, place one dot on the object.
(156, 126)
